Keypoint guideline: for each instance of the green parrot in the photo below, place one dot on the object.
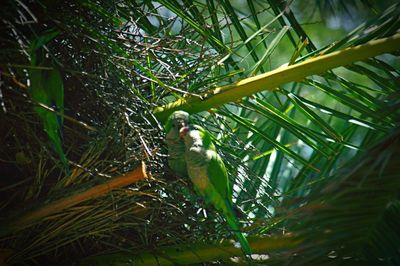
(210, 178)
(176, 146)
(47, 87)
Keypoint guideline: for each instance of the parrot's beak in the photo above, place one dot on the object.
(183, 131)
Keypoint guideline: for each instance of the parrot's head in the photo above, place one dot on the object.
(183, 131)
(176, 121)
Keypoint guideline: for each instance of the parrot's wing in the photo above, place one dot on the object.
(216, 169)
(206, 137)
(218, 176)
(56, 91)
(47, 88)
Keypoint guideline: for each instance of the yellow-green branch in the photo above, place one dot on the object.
(194, 253)
(273, 79)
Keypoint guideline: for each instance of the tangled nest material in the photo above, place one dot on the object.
(108, 131)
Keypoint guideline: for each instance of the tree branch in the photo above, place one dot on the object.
(30, 217)
(186, 254)
(273, 79)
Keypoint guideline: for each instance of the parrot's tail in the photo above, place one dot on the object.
(234, 225)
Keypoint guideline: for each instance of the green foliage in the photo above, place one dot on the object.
(355, 214)
(300, 157)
